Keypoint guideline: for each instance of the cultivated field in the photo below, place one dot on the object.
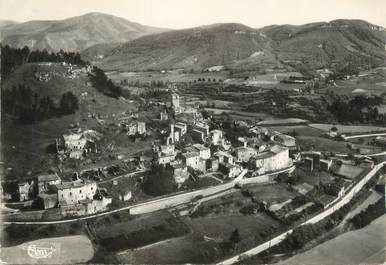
(353, 129)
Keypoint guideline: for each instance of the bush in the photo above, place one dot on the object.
(372, 212)
(160, 181)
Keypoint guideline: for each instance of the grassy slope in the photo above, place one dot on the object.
(191, 48)
(24, 146)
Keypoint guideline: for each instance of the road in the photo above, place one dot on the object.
(364, 135)
(238, 179)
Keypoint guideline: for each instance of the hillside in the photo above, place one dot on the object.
(25, 145)
(320, 44)
(195, 48)
(6, 23)
(74, 34)
(312, 46)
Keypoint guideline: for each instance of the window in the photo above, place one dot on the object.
(80, 191)
(70, 193)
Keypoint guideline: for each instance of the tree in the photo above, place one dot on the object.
(235, 236)
(103, 84)
(160, 181)
(68, 103)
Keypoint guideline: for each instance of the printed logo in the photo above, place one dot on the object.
(39, 252)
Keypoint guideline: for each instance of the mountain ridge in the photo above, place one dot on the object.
(75, 33)
(314, 45)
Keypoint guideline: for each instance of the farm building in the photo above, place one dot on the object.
(73, 192)
(244, 154)
(277, 158)
(47, 181)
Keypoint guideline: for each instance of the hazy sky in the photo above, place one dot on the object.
(189, 13)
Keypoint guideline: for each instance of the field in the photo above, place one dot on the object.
(272, 193)
(204, 244)
(180, 250)
(137, 232)
(12, 235)
(300, 130)
(348, 248)
(352, 129)
(173, 76)
(66, 250)
(211, 230)
(220, 227)
(322, 144)
(367, 83)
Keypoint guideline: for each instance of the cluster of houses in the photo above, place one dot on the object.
(133, 126)
(73, 198)
(212, 152)
(71, 73)
(78, 144)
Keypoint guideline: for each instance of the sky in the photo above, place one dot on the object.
(177, 14)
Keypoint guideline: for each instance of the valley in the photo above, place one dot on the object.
(217, 144)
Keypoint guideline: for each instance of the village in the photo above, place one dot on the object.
(193, 157)
(182, 132)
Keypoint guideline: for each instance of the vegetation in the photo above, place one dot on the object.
(357, 109)
(372, 212)
(28, 107)
(11, 58)
(170, 228)
(103, 84)
(160, 181)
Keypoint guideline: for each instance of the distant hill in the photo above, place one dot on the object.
(320, 44)
(234, 45)
(74, 34)
(6, 23)
(200, 47)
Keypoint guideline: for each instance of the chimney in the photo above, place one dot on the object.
(172, 132)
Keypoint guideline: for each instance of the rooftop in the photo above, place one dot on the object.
(303, 188)
(244, 149)
(48, 177)
(201, 147)
(222, 153)
(265, 154)
(191, 154)
(72, 184)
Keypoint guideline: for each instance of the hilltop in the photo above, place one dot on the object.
(73, 34)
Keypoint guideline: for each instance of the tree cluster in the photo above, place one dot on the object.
(103, 84)
(357, 109)
(372, 212)
(29, 107)
(159, 181)
(12, 57)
